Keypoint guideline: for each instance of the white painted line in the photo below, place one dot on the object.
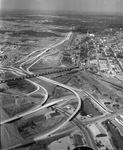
(119, 122)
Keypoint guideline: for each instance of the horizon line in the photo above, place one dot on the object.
(63, 12)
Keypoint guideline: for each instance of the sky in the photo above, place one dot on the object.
(100, 6)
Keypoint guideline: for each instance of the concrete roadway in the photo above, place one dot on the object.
(40, 137)
(29, 57)
(19, 71)
(47, 49)
(19, 116)
(47, 105)
(89, 138)
(59, 84)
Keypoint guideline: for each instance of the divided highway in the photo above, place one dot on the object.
(49, 104)
(21, 71)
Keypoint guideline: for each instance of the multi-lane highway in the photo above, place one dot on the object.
(37, 85)
(20, 71)
(33, 58)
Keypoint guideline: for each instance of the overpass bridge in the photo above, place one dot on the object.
(39, 74)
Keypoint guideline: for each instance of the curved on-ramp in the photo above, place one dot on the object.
(40, 137)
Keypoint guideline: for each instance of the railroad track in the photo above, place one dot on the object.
(37, 75)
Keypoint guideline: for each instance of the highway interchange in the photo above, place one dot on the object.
(32, 59)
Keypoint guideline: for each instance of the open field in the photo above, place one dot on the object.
(40, 124)
(54, 111)
(14, 104)
(90, 109)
